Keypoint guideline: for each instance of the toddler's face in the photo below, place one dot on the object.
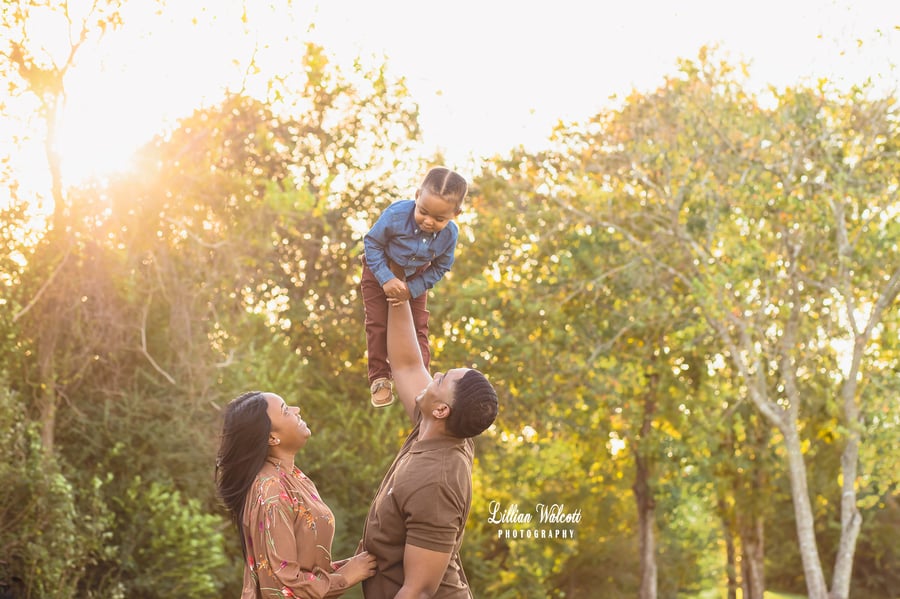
(433, 213)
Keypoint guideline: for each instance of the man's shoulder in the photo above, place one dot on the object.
(438, 466)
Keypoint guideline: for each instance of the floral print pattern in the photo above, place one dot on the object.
(288, 531)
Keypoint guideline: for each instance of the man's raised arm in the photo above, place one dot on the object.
(405, 358)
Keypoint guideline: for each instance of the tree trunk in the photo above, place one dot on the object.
(47, 398)
(646, 516)
(731, 557)
(643, 494)
(752, 558)
(851, 520)
(806, 534)
(47, 343)
(46, 322)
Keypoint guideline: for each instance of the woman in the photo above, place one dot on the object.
(286, 529)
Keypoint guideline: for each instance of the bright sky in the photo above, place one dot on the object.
(488, 75)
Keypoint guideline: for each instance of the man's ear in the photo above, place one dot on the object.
(441, 411)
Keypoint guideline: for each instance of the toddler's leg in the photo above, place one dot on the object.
(376, 306)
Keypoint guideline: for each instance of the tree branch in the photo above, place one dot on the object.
(43, 288)
(144, 351)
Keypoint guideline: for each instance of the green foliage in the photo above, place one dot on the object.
(173, 288)
(51, 530)
(755, 214)
(878, 566)
(520, 472)
(162, 536)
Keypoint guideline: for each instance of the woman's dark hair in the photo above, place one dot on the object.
(242, 452)
(475, 406)
(447, 184)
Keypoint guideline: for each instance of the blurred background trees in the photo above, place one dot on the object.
(687, 304)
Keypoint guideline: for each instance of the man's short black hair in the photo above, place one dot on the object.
(475, 406)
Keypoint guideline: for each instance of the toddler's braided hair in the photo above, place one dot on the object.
(449, 185)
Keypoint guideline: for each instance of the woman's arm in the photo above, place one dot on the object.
(407, 367)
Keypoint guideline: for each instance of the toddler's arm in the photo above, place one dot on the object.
(440, 265)
(375, 244)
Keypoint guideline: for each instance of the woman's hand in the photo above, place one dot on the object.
(335, 566)
(357, 568)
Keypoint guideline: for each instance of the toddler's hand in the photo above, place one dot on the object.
(395, 288)
(403, 295)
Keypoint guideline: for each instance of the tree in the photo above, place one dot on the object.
(576, 333)
(739, 197)
(226, 260)
(32, 68)
(237, 239)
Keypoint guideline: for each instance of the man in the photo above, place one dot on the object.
(416, 522)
